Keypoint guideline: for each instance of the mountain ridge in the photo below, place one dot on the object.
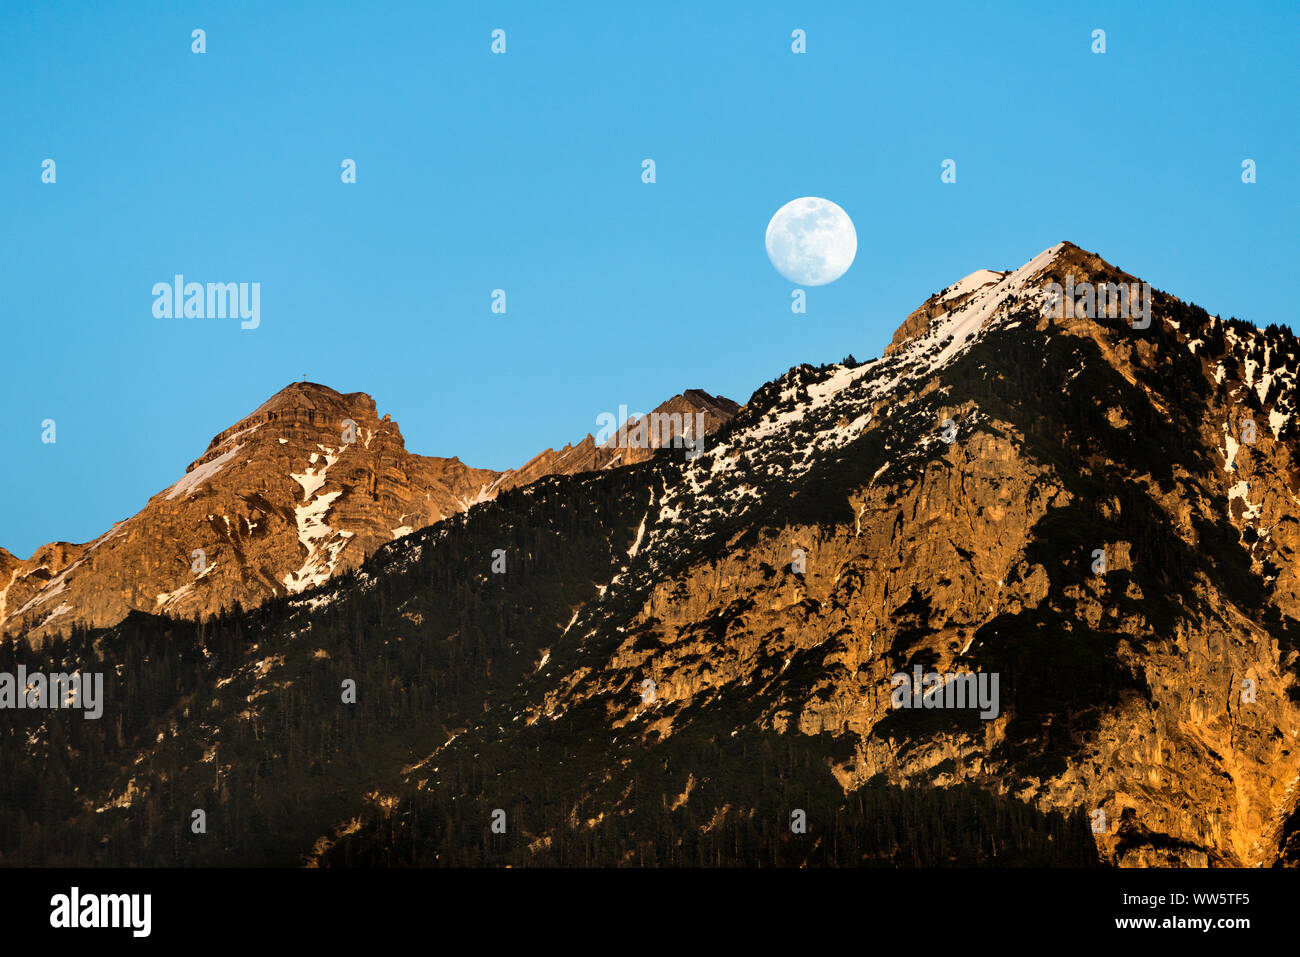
(219, 554)
(674, 657)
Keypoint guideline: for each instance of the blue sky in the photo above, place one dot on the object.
(523, 172)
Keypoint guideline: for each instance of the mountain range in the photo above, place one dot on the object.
(307, 485)
(693, 660)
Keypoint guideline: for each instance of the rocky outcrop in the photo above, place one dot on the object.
(671, 424)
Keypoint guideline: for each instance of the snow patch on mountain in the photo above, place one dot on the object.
(640, 534)
(1230, 448)
(485, 494)
(312, 478)
(56, 586)
(166, 596)
(323, 544)
(1240, 490)
(195, 477)
(63, 609)
(13, 577)
(976, 280)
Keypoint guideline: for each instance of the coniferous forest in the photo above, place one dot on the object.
(241, 716)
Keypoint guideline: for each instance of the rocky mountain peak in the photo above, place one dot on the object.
(977, 284)
(301, 408)
(312, 396)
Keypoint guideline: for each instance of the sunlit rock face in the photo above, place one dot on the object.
(303, 488)
(1059, 501)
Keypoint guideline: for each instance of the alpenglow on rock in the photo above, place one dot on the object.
(278, 503)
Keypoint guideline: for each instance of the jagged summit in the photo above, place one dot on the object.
(978, 285)
(704, 400)
(313, 395)
(673, 420)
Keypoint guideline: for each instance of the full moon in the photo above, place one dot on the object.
(811, 241)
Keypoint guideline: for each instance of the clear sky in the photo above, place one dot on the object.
(522, 172)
